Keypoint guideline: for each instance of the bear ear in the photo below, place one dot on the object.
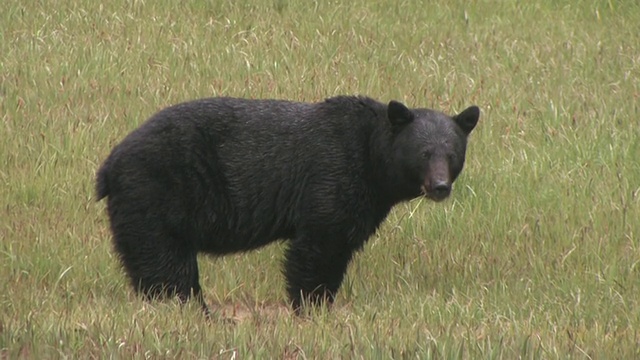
(399, 114)
(468, 119)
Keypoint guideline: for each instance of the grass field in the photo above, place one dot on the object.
(536, 255)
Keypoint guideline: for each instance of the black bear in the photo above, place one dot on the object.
(225, 175)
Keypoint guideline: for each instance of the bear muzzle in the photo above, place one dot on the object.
(436, 190)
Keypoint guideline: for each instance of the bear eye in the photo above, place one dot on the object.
(426, 155)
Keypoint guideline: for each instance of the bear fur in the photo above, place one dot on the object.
(228, 175)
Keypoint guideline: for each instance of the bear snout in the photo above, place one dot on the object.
(441, 190)
(437, 190)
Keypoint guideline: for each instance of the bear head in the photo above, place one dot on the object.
(428, 149)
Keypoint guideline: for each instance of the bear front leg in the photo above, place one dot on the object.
(314, 272)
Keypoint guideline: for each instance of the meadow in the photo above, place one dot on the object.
(536, 255)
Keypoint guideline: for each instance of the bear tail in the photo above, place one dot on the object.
(102, 184)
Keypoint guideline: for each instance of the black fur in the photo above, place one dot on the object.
(225, 175)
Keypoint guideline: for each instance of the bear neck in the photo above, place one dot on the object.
(389, 183)
(385, 176)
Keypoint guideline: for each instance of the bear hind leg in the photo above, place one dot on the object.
(159, 271)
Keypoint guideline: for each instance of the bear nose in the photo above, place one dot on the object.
(442, 189)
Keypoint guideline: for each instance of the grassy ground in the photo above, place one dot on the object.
(537, 254)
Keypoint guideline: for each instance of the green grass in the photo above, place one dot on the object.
(537, 254)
